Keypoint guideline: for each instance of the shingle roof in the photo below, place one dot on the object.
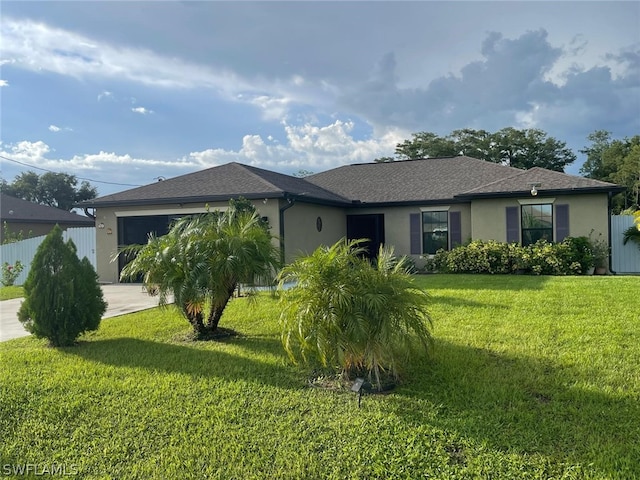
(545, 181)
(17, 210)
(411, 180)
(219, 183)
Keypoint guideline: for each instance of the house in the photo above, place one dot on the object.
(418, 206)
(24, 219)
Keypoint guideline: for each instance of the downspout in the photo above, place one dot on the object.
(290, 203)
(90, 215)
(609, 209)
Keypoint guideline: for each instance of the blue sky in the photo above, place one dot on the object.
(125, 92)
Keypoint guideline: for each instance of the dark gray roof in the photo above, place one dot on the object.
(17, 210)
(432, 180)
(220, 183)
(421, 180)
(546, 181)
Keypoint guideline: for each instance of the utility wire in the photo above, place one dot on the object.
(79, 178)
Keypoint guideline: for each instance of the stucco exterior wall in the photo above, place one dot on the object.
(396, 223)
(301, 232)
(586, 212)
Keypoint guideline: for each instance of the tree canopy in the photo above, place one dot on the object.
(59, 190)
(517, 148)
(617, 161)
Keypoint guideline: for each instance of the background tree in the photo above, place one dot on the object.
(617, 161)
(509, 146)
(62, 296)
(352, 316)
(593, 165)
(203, 259)
(58, 190)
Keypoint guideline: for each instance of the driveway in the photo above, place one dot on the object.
(121, 299)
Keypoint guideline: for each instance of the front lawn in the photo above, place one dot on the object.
(531, 377)
(14, 291)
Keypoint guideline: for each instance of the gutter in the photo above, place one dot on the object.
(290, 203)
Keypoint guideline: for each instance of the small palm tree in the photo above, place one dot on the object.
(202, 260)
(351, 315)
(633, 233)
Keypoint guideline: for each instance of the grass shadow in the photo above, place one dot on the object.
(526, 406)
(200, 361)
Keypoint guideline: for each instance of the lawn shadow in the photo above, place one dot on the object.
(524, 405)
(454, 301)
(194, 360)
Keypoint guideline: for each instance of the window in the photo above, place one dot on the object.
(435, 231)
(537, 223)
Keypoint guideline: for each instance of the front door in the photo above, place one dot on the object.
(369, 226)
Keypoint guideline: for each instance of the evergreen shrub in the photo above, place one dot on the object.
(63, 298)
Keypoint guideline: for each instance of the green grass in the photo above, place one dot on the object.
(530, 377)
(7, 293)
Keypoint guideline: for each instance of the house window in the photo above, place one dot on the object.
(435, 231)
(537, 223)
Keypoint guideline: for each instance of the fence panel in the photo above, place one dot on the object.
(84, 239)
(624, 258)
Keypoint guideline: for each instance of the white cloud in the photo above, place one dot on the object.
(56, 129)
(142, 110)
(308, 146)
(105, 94)
(4, 83)
(42, 48)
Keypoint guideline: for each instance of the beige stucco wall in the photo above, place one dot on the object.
(396, 223)
(482, 219)
(586, 212)
(301, 233)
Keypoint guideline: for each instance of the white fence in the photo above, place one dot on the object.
(84, 239)
(624, 258)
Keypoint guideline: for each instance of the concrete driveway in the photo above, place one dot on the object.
(121, 299)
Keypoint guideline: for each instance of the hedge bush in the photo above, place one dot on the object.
(572, 256)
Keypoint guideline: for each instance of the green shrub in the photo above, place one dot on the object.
(352, 316)
(62, 296)
(10, 273)
(569, 257)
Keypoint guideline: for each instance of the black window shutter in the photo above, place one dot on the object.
(513, 225)
(455, 229)
(415, 234)
(562, 222)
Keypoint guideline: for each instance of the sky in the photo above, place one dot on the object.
(126, 93)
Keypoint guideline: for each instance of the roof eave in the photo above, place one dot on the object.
(175, 200)
(541, 193)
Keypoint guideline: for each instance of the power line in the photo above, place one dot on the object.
(79, 178)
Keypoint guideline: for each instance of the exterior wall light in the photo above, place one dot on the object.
(534, 189)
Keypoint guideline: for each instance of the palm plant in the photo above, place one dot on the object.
(351, 315)
(633, 233)
(202, 260)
